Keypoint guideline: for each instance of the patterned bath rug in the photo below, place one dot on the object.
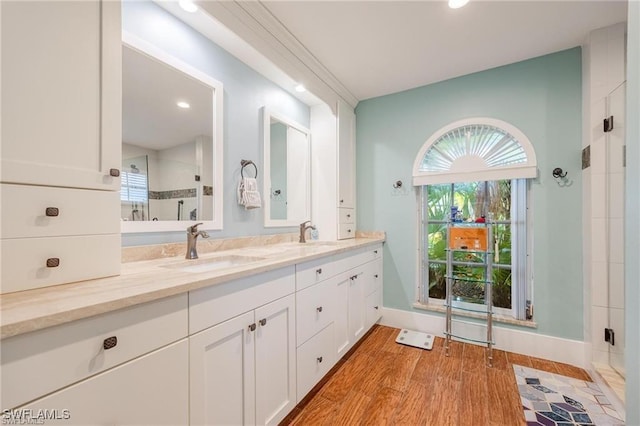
(553, 400)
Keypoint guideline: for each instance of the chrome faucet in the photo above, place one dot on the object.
(192, 239)
(303, 230)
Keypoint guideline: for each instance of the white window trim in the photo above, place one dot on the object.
(525, 170)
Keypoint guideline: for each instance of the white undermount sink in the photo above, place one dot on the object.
(212, 264)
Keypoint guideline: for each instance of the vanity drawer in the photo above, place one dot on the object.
(346, 231)
(315, 358)
(38, 211)
(314, 309)
(373, 307)
(374, 277)
(29, 263)
(43, 361)
(346, 215)
(212, 305)
(313, 272)
(358, 257)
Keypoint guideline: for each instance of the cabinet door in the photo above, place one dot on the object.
(341, 315)
(356, 306)
(222, 373)
(151, 390)
(346, 156)
(61, 93)
(373, 305)
(275, 360)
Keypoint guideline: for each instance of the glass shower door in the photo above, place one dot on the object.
(615, 187)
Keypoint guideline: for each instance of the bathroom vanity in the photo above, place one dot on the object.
(240, 339)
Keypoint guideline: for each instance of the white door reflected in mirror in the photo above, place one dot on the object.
(287, 180)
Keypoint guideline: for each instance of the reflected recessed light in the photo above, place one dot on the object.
(183, 104)
(188, 5)
(300, 88)
(457, 4)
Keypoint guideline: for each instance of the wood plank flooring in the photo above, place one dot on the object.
(383, 383)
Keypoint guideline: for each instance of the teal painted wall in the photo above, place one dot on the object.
(541, 97)
(245, 93)
(632, 225)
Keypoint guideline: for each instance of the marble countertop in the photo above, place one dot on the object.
(148, 280)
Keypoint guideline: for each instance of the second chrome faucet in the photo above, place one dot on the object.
(192, 239)
(303, 230)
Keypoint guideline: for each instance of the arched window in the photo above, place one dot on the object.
(484, 148)
(482, 166)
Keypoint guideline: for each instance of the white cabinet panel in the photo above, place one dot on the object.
(346, 215)
(315, 359)
(37, 363)
(313, 272)
(356, 306)
(222, 373)
(29, 263)
(243, 370)
(275, 360)
(346, 231)
(40, 211)
(341, 317)
(151, 390)
(346, 156)
(212, 305)
(373, 307)
(314, 309)
(61, 94)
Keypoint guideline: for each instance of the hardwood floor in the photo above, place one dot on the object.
(383, 383)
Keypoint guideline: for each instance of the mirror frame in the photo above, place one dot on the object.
(146, 48)
(267, 115)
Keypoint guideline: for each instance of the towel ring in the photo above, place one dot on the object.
(245, 163)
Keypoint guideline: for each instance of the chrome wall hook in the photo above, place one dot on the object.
(397, 184)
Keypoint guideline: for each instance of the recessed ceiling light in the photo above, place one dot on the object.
(457, 4)
(188, 5)
(300, 88)
(184, 105)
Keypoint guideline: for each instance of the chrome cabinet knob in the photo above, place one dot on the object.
(114, 172)
(263, 321)
(319, 309)
(252, 327)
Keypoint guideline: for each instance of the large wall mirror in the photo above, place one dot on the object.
(171, 142)
(287, 174)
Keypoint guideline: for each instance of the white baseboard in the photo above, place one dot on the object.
(507, 339)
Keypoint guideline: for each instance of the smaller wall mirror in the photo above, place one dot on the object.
(287, 171)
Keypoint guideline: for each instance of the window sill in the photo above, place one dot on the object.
(496, 318)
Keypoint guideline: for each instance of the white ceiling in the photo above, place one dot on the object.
(379, 47)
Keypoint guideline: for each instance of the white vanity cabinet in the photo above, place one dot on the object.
(61, 142)
(346, 134)
(150, 390)
(334, 171)
(243, 362)
(333, 312)
(125, 367)
(61, 93)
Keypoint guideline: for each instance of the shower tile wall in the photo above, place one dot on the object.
(603, 66)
